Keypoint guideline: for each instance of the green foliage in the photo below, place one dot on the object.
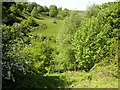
(29, 22)
(45, 53)
(92, 11)
(12, 8)
(34, 12)
(60, 17)
(53, 11)
(38, 55)
(39, 8)
(43, 26)
(64, 12)
(15, 10)
(66, 55)
(96, 39)
(33, 4)
(12, 13)
(20, 6)
(45, 8)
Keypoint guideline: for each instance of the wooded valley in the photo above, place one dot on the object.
(51, 47)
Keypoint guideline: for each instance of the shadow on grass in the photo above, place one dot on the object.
(36, 82)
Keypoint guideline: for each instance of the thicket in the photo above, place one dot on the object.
(24, 53)
(96, 39)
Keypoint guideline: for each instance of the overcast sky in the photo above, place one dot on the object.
(70, 4)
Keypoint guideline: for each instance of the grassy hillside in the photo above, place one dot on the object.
(52, 29)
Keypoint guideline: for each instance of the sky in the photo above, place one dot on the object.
(71, 4)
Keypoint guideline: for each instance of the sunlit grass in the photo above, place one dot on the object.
(52, 29)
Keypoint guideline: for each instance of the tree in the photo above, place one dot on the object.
(96, 38)
(45, 8)
(34, 4)
(20, 5)
(62, 13)
(59, 9)
(39, 8)
(65, 12)
(92, 11)
(29, 8)
(53, 11)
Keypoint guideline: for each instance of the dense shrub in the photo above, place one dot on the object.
(53, 11)
(43, 26)
(29, 22)
(96, 38)
(60, 17)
